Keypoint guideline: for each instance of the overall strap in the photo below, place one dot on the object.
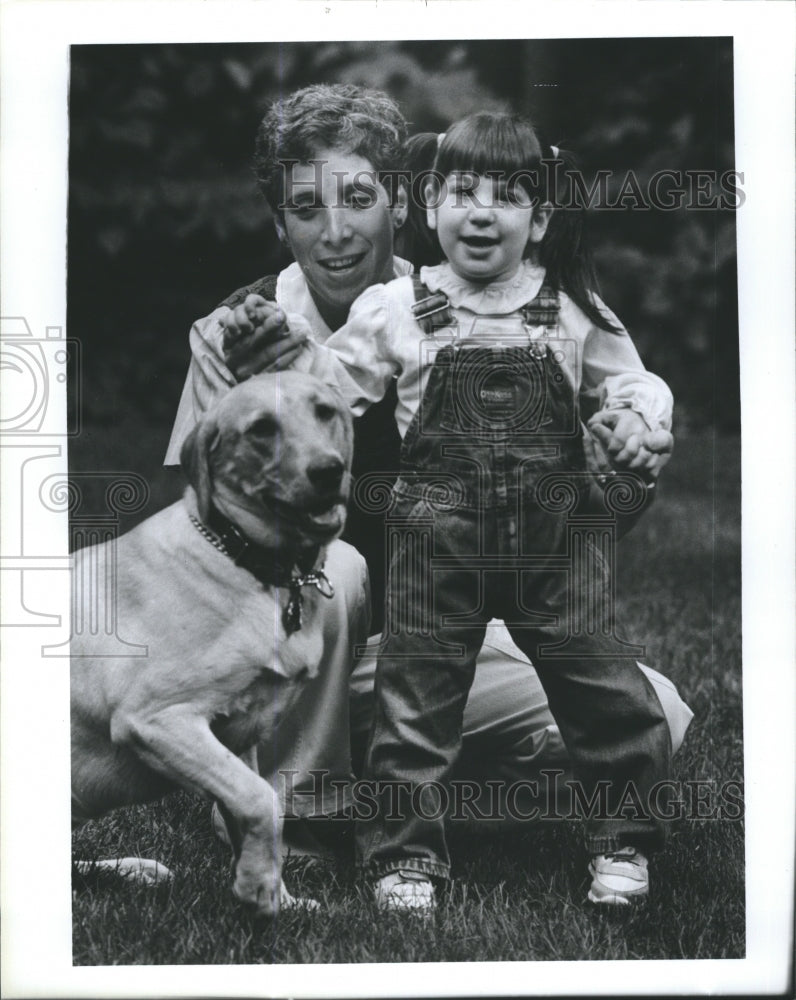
(543, 309)
(432, 310)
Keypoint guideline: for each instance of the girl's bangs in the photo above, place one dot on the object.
(489, 144)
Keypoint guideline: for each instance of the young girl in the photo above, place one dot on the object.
(492, 351)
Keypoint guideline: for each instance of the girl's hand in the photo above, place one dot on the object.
(627, 442)
(257, 338)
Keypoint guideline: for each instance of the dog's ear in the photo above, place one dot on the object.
(195, 461)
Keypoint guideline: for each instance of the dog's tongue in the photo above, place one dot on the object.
(330, 518)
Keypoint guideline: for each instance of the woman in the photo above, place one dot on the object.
(325, 161)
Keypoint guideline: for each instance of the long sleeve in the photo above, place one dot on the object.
(613, 372)
(208, 379)
(359, 357)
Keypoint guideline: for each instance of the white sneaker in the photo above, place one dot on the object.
(405, 891)
(619, 878)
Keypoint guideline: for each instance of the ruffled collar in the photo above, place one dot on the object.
(500, 297)
(293, 295)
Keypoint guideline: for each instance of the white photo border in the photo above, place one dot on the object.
(36, 36)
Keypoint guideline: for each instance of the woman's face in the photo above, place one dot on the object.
(339, 224)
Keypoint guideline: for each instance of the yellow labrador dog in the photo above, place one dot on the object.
(225, 589)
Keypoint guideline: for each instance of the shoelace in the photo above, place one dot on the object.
(626, 854)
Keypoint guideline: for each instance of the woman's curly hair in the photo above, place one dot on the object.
(324, 116)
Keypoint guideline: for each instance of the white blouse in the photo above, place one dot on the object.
(382, 340)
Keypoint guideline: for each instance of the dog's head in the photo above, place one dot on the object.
(274, 456)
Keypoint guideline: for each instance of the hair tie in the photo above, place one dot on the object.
(440, 137)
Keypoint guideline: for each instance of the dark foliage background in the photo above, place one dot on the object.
(164, 218)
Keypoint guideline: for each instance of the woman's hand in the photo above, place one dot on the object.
(257, 338)
(626, 442)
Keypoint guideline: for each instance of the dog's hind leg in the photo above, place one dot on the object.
(139, 871)
(179, 745)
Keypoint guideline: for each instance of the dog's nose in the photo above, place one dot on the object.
(327, 475)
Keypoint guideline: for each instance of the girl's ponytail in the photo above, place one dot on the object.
(564, 251)
(415, 240)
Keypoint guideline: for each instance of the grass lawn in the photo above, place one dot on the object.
(519, 894)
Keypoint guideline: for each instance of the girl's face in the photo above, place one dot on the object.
(483, 228)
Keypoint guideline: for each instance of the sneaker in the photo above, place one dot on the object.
(619, 878)
(407, 891)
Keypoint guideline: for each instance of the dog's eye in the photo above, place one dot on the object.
(324, 412)
(264, 426)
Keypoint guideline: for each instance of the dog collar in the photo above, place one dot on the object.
(228, 539)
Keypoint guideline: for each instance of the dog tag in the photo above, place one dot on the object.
(291, 617)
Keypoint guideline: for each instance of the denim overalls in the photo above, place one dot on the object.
(492, 472)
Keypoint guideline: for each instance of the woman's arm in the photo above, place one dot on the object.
(214, 369)
(208, 379)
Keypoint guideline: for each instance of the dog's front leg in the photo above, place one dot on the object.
(226, 829)
(179, 745)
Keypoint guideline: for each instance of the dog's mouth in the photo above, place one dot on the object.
(322, 520)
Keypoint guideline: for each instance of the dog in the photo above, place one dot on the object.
(225, 589)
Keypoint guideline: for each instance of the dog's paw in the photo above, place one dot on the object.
(139, 871)
(260, 893)
(290, 902)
